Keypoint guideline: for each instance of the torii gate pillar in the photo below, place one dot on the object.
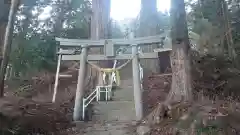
(80, 85)
(137, 84)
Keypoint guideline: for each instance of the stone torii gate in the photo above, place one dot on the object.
(75, 49)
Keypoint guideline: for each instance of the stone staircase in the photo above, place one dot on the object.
(114, 117)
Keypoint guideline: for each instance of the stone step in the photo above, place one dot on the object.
(109, 132)
(126, 83)
(114, 111)
(116, 115)
(123, 95)
(119, 129)
(113, 105)
(106, 128)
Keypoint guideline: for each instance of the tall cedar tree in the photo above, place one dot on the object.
(181, 89)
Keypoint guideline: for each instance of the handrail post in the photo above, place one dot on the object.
(136, 83)
(106, 93)
(83, 109)
(80, 85)
(97, 93)
(141, 75)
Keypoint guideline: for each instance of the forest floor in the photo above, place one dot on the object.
(215, 108)
(30, 110)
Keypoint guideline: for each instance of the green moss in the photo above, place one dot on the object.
(209, 130)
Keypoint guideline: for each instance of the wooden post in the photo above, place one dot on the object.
(56, 78)
(137, 84)
(80, 86)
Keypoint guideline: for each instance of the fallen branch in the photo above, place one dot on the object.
(161, 75)
(219, 85)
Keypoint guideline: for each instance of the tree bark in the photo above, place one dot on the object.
(181, 89)
(7, 44)
(228, 32)
(148, 18)
(100, 19)
(100, 24)
(149, 27)
(5, 7)
(2, 34)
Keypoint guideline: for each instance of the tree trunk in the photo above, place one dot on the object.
(148, 18)
(100, 19)
(2, 34)
(7, 44)
(149, 27)
(100, 25)
(228, 32)
(4, 11)
(181, 89)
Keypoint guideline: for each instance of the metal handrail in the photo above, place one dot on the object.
(141, 72)
(85, 103)
(96, 95)
(141, 75)
(8, 73)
